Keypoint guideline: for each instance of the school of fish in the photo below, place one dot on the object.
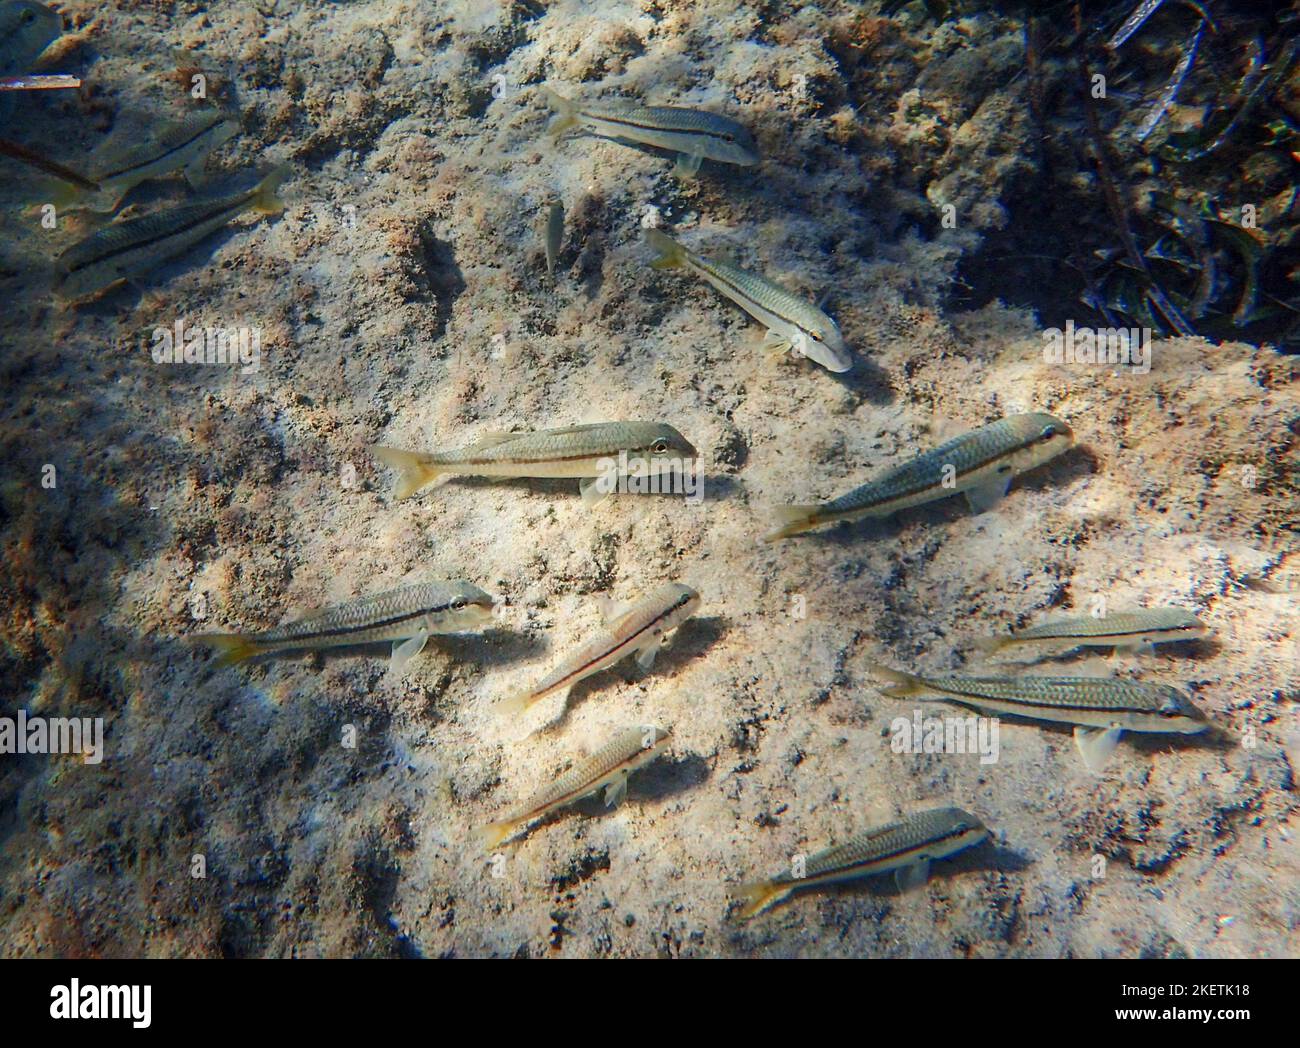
(980, 464)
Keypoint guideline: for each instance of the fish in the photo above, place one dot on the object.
(554, 234)
(694, 135)
(1123, 630)
(406, 616)
(907, 848)
(117, 170)
(980, 464)
(641, 627)
(26, 29)
(793, 323)
(588, 452)
(134, 247)
(607, 769)
(1101, 709)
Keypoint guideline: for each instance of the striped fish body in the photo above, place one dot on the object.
(124, 250)
(688, 132)
(1116, 629)
(980, 464)
(570, 451)
(914, 842)
(792, 322)
(1090, 702)
(640, 628)
(393, 615)
(607, 769)
(184, 145)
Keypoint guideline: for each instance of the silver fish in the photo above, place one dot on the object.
(981, 464)
(1123, 630)
(125, 250)
(642, 628)
(587, 452)
(693, 134)
(907, 847)
(185, 144)
(406, 616)
(1100, 708)
(793, 323)
(607, 769)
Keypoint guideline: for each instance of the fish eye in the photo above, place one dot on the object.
(458, 604)
(660, 446)
(1049, 431)
(728, 137)
(29, 16)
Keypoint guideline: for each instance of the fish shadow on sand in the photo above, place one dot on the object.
(657, 781)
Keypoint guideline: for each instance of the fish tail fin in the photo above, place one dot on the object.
(793, 520)
(671, 255)
(759, 895)
(266, 198)
(903, 684)
(415, 469)
(491, 835)
(566, 112)
(230, 648)
(518, 703)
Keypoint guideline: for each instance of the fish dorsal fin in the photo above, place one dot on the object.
(611, 610)
(493, 437)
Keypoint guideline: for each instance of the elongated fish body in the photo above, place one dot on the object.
(907, 848)
(125, 250)
(26, 29)
(607, 769)
(406, 616)
(584, 451)
(1100, 708)
(641, 628)
(981, 464)
(693, 134)
(183, 145)
(554, 234)
(1121, 629)
(792, 322)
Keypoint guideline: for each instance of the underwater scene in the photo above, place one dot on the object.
(649, 478)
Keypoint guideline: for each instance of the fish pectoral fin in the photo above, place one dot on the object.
(405, 650)
(688, 165)
(645, 656)
(616, 790)
(595, 490)
(984, 497)
(1095, 745)
(775, 345)
(912, 876)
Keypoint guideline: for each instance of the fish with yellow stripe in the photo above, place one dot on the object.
(906, 848)
(1100, 709)
(980, 464)
(641, 628)
(694, 135)
(606, 770)
(405, 617)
